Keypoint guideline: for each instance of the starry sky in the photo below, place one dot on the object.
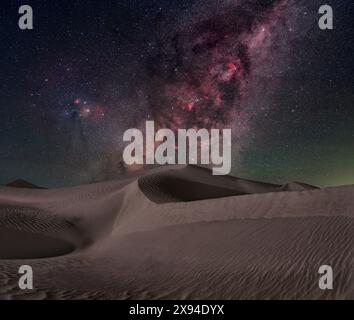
(92, 69)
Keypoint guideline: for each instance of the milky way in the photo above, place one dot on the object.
(92, 69)
(200, 75)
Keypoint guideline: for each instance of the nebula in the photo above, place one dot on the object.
(200, 75)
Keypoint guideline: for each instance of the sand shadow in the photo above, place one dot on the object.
(16, 244)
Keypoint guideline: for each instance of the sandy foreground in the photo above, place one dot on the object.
(177, 233)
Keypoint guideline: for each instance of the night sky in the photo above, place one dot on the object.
(92, 69)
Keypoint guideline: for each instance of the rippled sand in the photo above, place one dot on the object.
(177, 233)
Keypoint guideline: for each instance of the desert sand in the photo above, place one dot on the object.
(177, 233)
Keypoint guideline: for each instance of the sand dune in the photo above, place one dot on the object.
(22, 184)
(180, 233)
(191, 183)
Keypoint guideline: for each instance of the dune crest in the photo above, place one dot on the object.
(191, 183)
(23, 184)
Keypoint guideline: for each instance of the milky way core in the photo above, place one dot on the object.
(200, 75)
